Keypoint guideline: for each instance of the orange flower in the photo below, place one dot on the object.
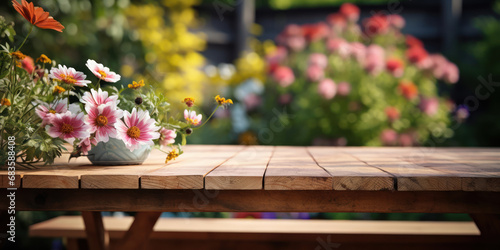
(37, 16)
(408, 89)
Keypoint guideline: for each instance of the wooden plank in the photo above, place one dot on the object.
(292, 168)
(409, 176)
(5, 181)
(97, 237)
(254, 201)
(72, 227)
(189, 172)
(478, 170)
(121, 177)
(349, 173)
(244, 171)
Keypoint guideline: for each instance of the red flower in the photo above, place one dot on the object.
(28, 64)
(350, 11)
(395, 67)
(411, 42)
(392, 113)
(36, 16)
(416, 54)
(315, 32)
(377, 24)
(408, 89)
(284, 76)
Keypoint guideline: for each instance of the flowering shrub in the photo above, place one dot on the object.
(369, 84)
(36, 110)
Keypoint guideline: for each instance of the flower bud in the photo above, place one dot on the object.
(138, 100)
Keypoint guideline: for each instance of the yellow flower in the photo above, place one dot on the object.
(222, 101)
(18, 55)
(189, 101)
(136, 85)
(172, 155)
(58, 90)
(44, 59)
(5, 102)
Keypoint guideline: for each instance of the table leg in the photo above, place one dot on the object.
(139, 232)
(97, 237)
(488, 225)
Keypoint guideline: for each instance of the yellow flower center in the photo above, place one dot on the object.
(52, 111)
(103, 74)
(68, 79)
(102, 121)
(134, 132)
(58, 90)
(66, 128)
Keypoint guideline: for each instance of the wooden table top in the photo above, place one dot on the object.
(224, 167)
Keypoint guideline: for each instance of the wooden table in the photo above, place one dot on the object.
(269, 178)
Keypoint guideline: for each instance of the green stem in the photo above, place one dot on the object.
(208, 118)
(26, 38)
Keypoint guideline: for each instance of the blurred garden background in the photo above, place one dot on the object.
(370, 73)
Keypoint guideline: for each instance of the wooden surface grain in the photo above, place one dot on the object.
(232, 167)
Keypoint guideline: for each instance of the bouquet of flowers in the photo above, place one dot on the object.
(344, 83)
(36, 113)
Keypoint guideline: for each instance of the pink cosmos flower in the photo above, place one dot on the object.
(47, 111)
(68, 126)
(102, 72)
(388, 137)
(94, 98)
(374, 61)
(438, 66)
(327, 89)
(292, 37)
(86, 144)
(277, 56)
(338, 46)
(406, 140)
(429, 106)
(192, 118)
(167, 136)
(396, 21)
(137, 129)
(344, 88)
(69, 76)
(358, 51)
(318, 59)
(252, 101)
(451, 73)
(284, 76)
(315, 73)
(102, 121)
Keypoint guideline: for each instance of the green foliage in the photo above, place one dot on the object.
(24, 91)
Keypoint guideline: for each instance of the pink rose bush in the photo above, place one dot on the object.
(360, 80)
